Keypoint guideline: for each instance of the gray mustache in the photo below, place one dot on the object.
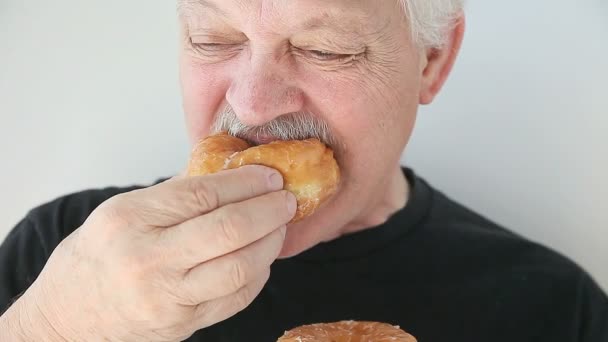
(293, 126)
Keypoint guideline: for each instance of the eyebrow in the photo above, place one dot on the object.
(338, 24)
(183, 6)
(329, 22)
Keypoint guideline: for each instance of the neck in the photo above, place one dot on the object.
(392, 197)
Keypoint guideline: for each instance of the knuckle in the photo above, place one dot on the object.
(239, 273)
(186, 297)
(205, 196)
(252, 188)
(243, 298)
(111, 207)
(122, 201)
(111, 216)
(259, 172)
(184, 293)
(231, 224)
(207, 314)
(256, 178)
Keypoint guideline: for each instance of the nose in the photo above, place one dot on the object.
(262, 90)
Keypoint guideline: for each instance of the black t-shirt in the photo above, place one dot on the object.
(437, 269)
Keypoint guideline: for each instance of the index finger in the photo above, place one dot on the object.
(183, 198)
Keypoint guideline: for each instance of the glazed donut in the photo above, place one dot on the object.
(347, 331)
(308, 167)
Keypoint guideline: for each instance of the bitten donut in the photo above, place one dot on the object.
(347, 331)
(308, 167)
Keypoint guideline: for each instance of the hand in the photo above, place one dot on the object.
(160, 263)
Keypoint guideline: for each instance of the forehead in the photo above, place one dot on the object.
(302, 13)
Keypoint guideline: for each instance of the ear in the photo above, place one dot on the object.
(437, 63)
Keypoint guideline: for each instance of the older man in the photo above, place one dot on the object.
(212, 258)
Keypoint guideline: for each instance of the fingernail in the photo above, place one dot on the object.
(292, 204)
(275, 180)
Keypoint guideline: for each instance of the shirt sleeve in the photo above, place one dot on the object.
(594, 312)
(22, 257)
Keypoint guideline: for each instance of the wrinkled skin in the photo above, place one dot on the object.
(263, 58)
(160, 263)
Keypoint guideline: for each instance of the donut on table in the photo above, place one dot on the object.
(347, 331)
(308, 167)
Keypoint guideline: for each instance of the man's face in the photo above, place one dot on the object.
(348, 63)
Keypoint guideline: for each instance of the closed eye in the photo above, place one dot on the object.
(211, 47)
(327, 56)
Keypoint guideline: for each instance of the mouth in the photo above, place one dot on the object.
(259, 139)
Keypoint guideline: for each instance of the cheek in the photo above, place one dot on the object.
(203, 94)
(372, 115)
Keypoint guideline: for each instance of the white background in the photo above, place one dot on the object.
(89, 97)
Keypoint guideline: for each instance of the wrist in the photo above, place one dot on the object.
(10, 329)
(22, 322)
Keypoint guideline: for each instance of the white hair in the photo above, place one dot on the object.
(295, 126)
(430, 20)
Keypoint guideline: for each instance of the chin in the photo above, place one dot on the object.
(324, 225)
(287, 253)
(296, 239)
